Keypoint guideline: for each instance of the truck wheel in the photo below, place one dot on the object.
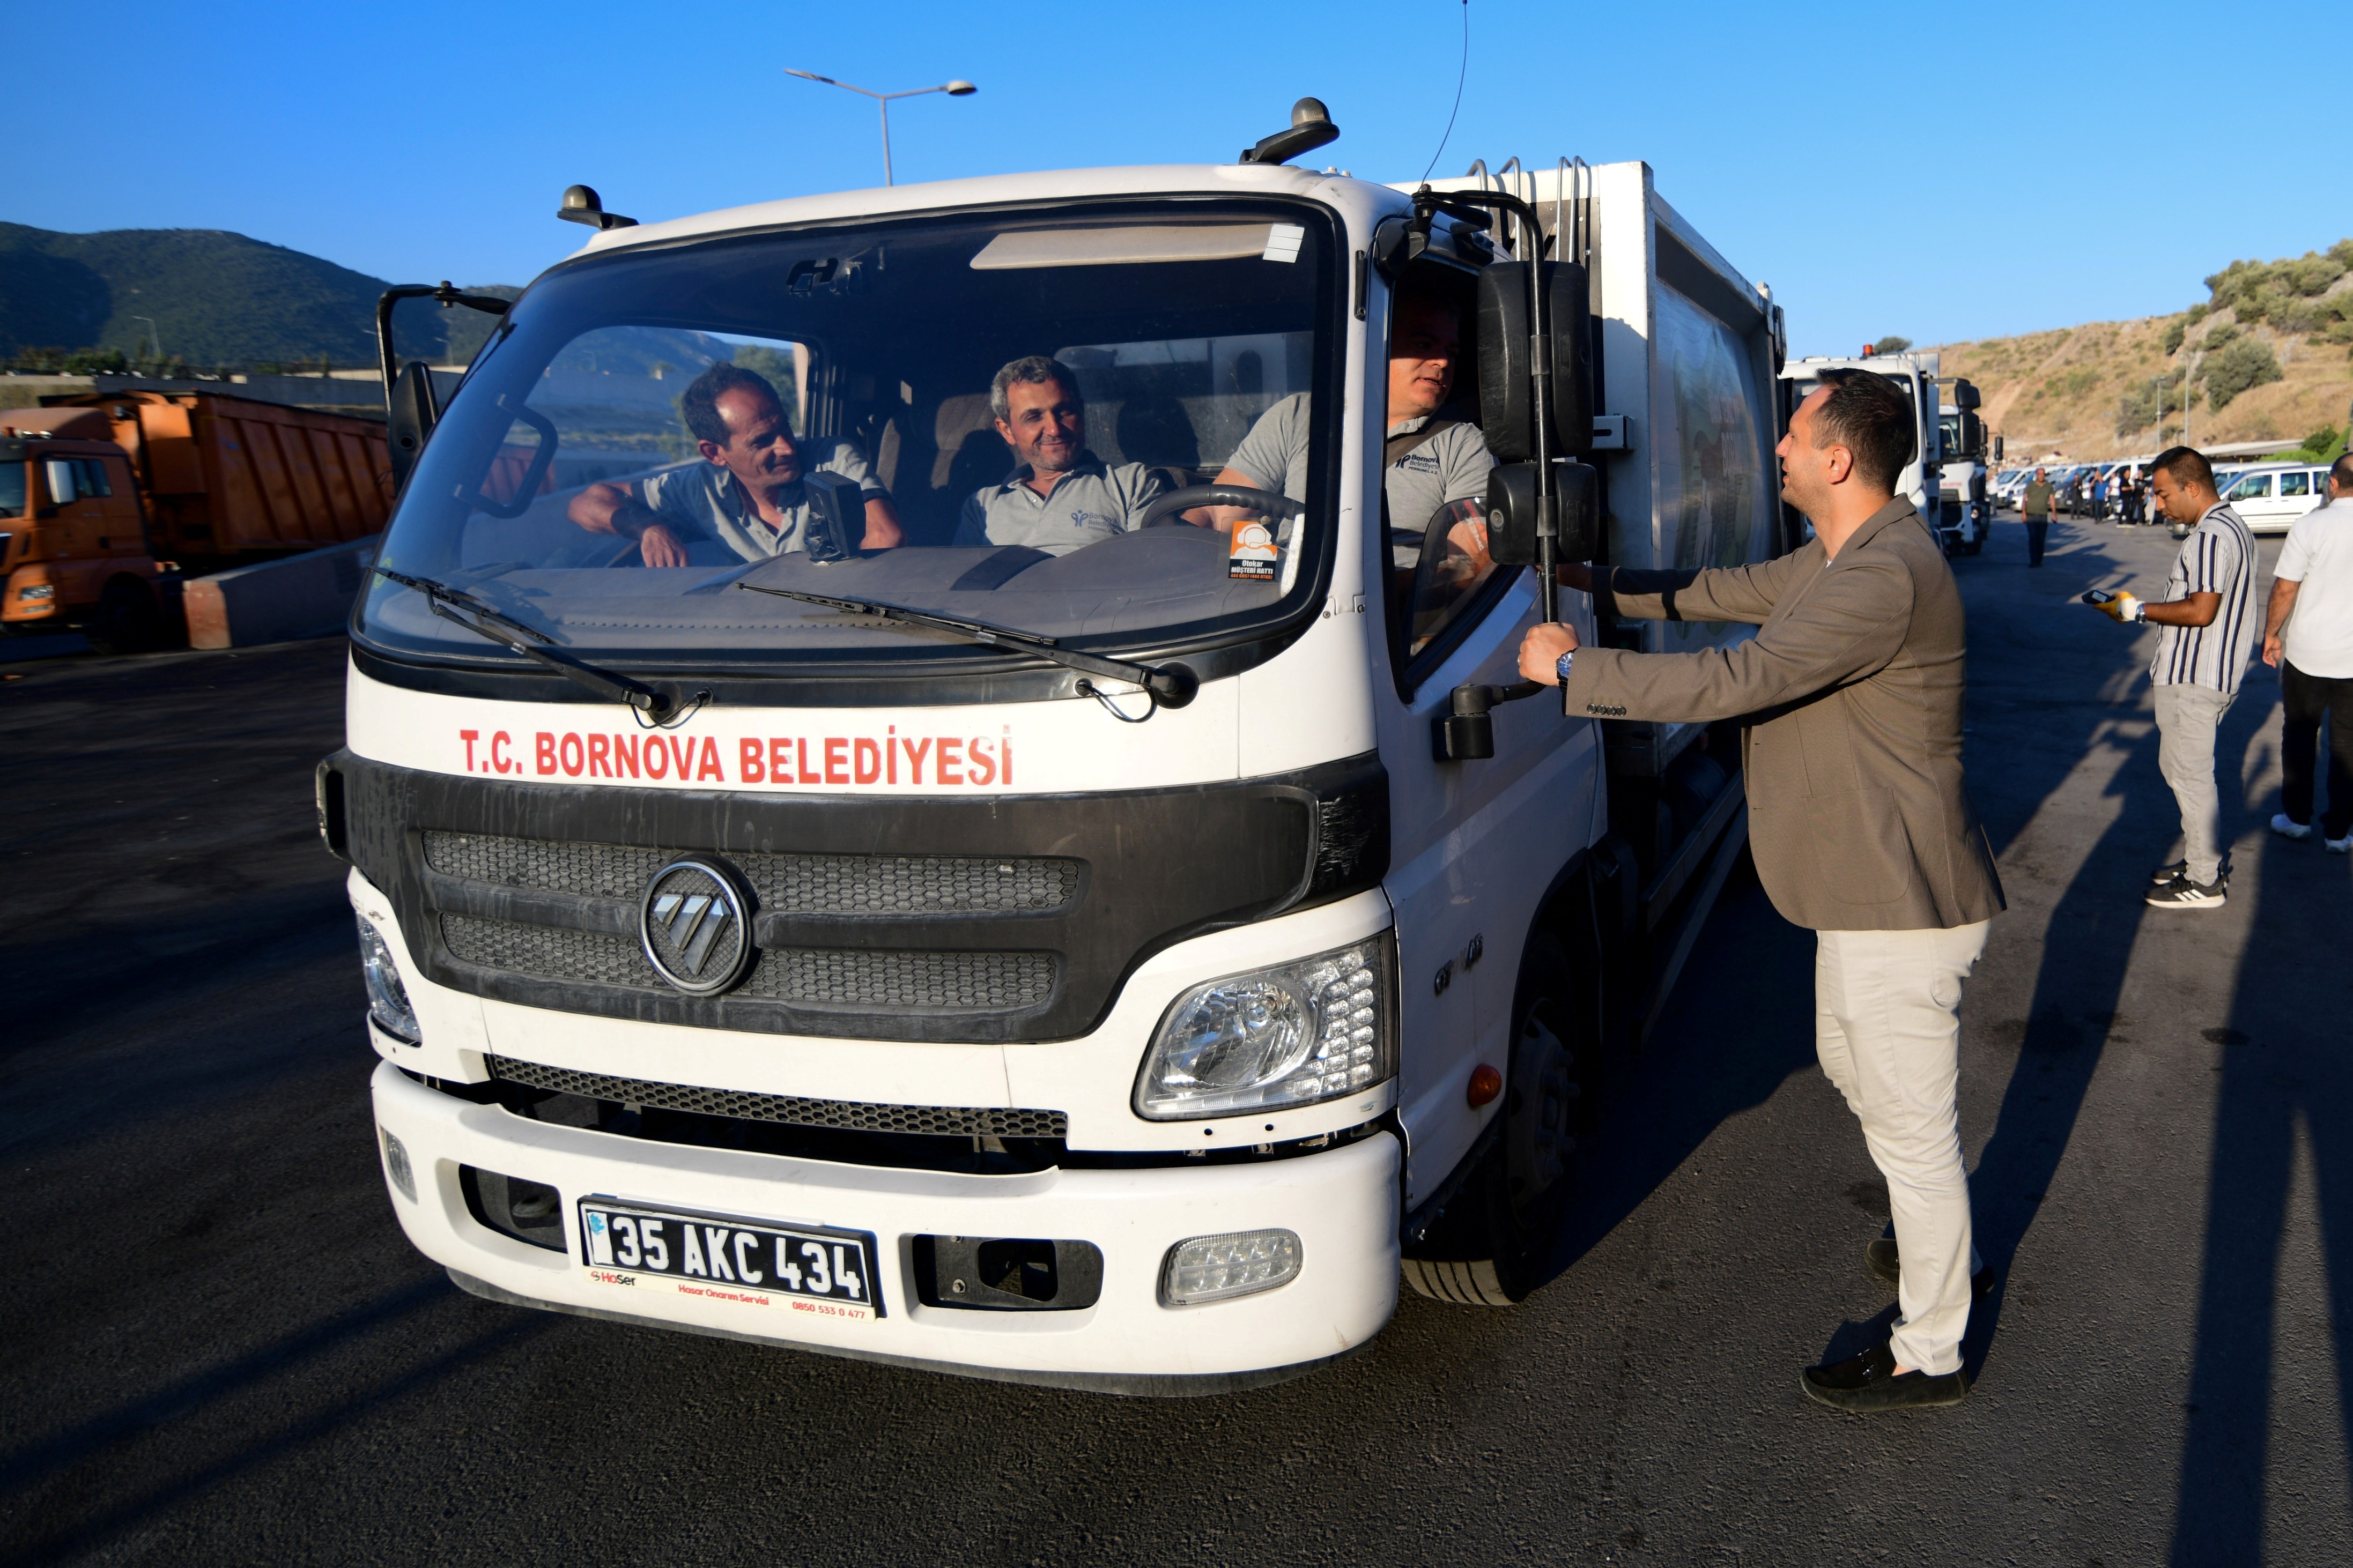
(127, 620)
(1495, 1244)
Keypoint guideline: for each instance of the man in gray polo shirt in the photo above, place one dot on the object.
(1426, 468)
(1060, 495)
(746, 493)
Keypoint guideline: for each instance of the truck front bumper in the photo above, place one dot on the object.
(1342, 1204)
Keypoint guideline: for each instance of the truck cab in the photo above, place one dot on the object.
(74, 553)
(1922, 481)
(1096, 959)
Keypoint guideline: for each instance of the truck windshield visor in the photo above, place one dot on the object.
(985, 416)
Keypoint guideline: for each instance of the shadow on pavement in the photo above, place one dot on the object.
(2286, 1078)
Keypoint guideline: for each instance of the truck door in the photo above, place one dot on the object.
(1475, 844)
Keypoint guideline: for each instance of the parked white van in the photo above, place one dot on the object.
(2270, 497)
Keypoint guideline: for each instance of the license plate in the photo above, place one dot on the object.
(810, 1269)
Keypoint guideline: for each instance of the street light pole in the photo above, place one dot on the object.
(957, 89)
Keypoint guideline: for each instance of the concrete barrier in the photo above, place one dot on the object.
(305, 596)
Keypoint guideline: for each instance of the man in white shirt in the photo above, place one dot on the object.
(2308, 633)
(746, 493)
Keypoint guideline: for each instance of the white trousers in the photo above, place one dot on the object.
(1887, 1027)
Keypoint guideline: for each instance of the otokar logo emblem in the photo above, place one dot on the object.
(696, 924)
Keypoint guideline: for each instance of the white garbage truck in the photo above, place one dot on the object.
(1944, 478)
(1100, 959)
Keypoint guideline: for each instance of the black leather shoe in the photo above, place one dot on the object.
(1887, 1263)
(1868, 1383)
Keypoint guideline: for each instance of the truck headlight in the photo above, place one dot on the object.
(1292, 1035)
(38, 591)
(387, 997)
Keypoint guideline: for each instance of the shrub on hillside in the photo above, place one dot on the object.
(2144, 403)
(2259, 290)
(2244, 363)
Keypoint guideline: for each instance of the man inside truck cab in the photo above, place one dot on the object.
(1060, 495)
(1430, 458)
(747, 492)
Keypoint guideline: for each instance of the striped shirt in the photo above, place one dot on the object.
(2218, 558)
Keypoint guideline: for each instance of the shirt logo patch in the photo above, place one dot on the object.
(1604, 710)
(1417, 462)
(1083, 519)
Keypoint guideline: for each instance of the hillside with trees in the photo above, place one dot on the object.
(216, 299)
(2267, 355)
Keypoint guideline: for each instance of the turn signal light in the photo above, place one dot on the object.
(1486, 1083)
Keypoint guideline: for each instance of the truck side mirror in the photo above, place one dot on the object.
(412, 417)
(1511, 512)
(1965, 395)
(1972, 436)
(1997, 448)
(1506, 366)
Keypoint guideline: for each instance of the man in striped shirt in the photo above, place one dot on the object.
(2208, 630)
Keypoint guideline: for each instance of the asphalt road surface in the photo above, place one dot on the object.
(217, 1346)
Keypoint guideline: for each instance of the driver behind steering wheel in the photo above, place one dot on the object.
(1060, 495)
(1434, 459)
(747, 492)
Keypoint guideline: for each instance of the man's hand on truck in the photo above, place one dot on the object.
(1541, 650)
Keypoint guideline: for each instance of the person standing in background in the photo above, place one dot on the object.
(2035, 507)
(2207, 630)
(2308, 635)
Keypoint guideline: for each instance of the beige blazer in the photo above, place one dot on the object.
(1851, 693)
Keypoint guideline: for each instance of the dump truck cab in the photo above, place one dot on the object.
(73, 537)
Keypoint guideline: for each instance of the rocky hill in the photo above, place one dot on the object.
(2267, 355)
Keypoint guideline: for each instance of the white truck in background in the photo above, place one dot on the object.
(1096, 968)
(1944, 478)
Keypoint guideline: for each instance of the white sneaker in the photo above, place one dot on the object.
(2287, 826)
(2339, 846)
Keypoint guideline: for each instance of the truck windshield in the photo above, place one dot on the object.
(826, 411)
(12, 489)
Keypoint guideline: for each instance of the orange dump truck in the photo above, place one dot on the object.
(95, 488)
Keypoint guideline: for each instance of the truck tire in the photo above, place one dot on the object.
(127, 620)
(1495, 1244)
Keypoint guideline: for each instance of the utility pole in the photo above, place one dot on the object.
(956, 89)
(153, 336)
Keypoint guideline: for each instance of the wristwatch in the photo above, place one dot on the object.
(1561, 667)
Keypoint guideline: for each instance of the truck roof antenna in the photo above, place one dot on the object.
(582, 205)
(1460, 75)
(1311, 127)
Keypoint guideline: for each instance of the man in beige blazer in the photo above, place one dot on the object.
(1862, 829)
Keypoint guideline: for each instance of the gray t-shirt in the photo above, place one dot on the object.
(1451, 466)
(709, 503)
(1087, 505)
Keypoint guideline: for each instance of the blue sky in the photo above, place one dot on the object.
(1885, 170)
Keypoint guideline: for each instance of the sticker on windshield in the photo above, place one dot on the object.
(1283, 240)
(1252, 555)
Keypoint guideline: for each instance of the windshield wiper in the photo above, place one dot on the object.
(1170, 685)
(461, 608)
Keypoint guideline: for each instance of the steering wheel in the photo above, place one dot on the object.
(1163, 512)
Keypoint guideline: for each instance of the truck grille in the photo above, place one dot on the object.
(814, 977)
(787, 884)
(845, 1115)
